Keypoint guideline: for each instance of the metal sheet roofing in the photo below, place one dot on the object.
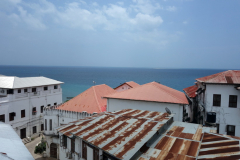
(121, 133)
(16, 82)
(130, 84)
(192, 141)
(226, 77)
(154, 92)
(12, 145)
(90, 100)
(191, 91)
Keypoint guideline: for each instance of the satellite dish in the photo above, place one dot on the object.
(168, 110)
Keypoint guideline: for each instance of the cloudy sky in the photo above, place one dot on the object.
(131, 33)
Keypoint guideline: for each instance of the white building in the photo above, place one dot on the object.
(22, 101)
(126, 86)
(11, 146)
(219, 95)
(153, 95)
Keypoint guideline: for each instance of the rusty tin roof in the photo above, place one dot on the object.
(120, 133)
(191, 91)
(186, 141)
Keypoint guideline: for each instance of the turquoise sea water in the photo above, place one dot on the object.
(78, 79)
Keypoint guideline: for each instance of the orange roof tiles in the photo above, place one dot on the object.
(191, 91)
(230, 77)
(152, 92)
(130, 84)
(90, 100)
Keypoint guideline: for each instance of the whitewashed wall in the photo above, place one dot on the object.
(119, 104)
(26, 101)
(225, 115)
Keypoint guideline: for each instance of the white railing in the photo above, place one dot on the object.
(46, 92)
(56, 90)
(4, 99)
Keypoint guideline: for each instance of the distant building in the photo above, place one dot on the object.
(11, 146)
(88, 103)
(154, 96)
(217, 97)
(126, 86)
(22, 101)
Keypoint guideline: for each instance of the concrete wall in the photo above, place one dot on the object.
(119, 104)
(225, 114)
(26, 101)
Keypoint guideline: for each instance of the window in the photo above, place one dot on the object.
(233, 101)
(45, 88)
(84, 150)
(11, 116)
(19, 91)
(55, 104)
(64, 141)
(50, 124)
(42, 109)
(34, 89)
(72, 145)
(42, 127)
(217, 125)
(25, 90)
(22, 113)
(95, 154)
(55, 87)
(2, 118)
(231, 130)
(34, 129)
(10, 91)
(45, 124)
(217, 100)
(34, 111)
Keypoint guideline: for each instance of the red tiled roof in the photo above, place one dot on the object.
(130, 84)
(90, 100)
(230, 77)
(191, 91)
(152, 92)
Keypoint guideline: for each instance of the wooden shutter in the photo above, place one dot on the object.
(84, 150)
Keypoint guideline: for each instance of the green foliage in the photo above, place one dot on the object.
(40, 148)
(32, 139)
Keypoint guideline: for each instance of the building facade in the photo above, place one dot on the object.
(218, 101)
(22, 101)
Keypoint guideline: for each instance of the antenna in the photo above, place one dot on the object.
(94, 82)
(168, 110)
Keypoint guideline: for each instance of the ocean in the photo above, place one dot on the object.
(78, 79)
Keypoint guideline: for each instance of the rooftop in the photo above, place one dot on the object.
(16, 82)
(191, 91)
(151, 92)
(12, 146)
(90, 100)
(226, 77)
(120, 133)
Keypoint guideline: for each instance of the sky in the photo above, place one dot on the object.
(131, 33)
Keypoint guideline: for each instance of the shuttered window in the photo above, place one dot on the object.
(22, 113)
(217, 100)
(73, 145)
(95, 154)
(45, 124)
(233, 101)
(84, 150)
(2, 118)
(50, 124)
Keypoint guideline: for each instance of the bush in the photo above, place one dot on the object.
(40, 148)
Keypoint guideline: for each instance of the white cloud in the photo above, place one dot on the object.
(145, 6)
(185, 22)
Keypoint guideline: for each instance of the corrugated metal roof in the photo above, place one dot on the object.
(121, 133)
(90, 100)
(154, 92)
(16, 82)
(192, 141)
(228, 77)
(11, 144)
(191, 91)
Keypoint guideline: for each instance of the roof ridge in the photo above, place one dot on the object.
(167, 92)
(95, 95)
(13, 82)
